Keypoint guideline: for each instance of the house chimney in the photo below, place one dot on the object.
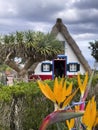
(59, 20)
(59, 24)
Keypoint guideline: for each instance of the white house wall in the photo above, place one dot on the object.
(38, 69)
(71, 56)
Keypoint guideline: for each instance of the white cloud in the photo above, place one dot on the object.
(69, 15)
(84, 37)
(40, 26)
(7, 9)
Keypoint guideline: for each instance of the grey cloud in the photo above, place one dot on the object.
(86, 4)
(83, 16)
(37, 10)
(21, 12)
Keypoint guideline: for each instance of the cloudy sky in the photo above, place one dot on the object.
(80, 17)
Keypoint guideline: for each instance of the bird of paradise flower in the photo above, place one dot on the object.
(90, 118)
(61, 95)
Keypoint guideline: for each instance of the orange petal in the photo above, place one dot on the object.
(93, 110)
(84, 85)
(67, 101)
(56, 86)
(63, 92)
(85, 81)
(46, 91)
(58, 90)
(79, 80)
(69, 90)
(70, 123)
(77, 108)
(86, 116)
(89, 119)
(66, 92)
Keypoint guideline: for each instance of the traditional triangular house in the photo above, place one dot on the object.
(67, 64)
(72, 50)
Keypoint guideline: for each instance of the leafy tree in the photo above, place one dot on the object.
(31, 47)
(94, 49)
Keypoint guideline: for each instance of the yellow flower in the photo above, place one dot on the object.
(89, 117)
(60, 95)
(70, 123)
(83, 85)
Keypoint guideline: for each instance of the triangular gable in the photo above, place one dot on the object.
(60, 27)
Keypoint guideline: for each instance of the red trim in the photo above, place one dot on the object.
(45, 77)
(42, 77)
(72, 76)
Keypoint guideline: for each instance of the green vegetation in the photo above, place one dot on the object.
(34, 106)
(94, 49)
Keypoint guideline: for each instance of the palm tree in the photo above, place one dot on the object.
(31, 47)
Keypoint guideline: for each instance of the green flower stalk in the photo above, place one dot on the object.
(58, 116)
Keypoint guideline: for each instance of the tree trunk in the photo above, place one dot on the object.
(12, 64)
(22, 73)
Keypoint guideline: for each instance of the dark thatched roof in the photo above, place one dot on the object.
(60, 27)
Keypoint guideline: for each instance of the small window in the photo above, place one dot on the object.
(46, 67)
(73, 67)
